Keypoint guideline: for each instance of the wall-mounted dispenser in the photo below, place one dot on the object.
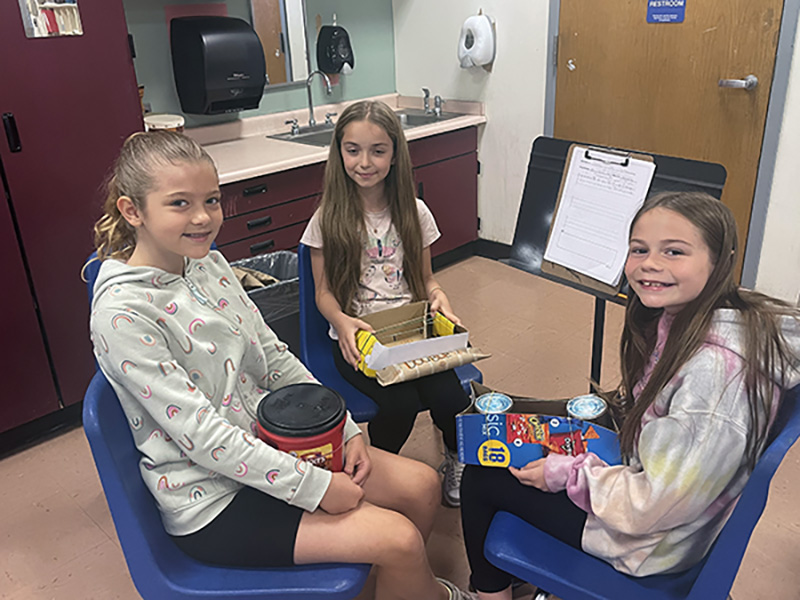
(477, 44)
(334, 52)
(218, 63)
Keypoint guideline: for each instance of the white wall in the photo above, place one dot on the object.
(779, 264)
(426, 42)
(426, 38)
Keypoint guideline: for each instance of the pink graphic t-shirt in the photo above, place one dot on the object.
(382, 284)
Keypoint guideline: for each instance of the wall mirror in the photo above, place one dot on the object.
(51, 18)
(281, 26)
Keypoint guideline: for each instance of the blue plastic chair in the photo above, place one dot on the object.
(159, 569)
(524, 551)
(90, 274)
(315, 348)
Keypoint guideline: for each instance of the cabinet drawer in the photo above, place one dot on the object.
(443, 146)
(274, 217)
(280, 239)
(260, 192)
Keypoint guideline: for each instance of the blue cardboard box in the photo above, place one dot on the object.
(530, 430)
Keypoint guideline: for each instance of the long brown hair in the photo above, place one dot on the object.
(133, 175)
(342, 214)
(765, 350)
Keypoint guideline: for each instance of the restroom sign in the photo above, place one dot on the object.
(666, 11)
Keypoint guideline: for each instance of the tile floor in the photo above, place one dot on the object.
(58, 540)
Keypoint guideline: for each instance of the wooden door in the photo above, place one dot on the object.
(267, 23)
(654, 87)
(74, 100)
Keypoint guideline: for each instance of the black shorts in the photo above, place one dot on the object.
(254, 530)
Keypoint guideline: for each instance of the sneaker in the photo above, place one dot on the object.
(451, 482)
(455, 593)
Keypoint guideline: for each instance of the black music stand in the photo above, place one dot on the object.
(545, 170)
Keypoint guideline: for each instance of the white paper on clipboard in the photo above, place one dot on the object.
(601, 194)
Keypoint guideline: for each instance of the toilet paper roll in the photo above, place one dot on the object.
(476, 45)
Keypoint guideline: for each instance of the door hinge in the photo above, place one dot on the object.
(479, 167)
(555, 51)
(479, 223)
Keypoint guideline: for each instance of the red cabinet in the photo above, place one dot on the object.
(28, 390)
(74, 100)
(270, 213)
(446, 172)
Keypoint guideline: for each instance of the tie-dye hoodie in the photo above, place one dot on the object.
(190, 358)
(661, 513)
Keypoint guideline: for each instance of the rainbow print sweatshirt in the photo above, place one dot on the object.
(190, 357)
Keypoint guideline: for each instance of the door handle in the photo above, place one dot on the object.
(748, 83)
(12, 135)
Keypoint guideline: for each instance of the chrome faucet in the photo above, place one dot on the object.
(295, 126)
(437, 106)
(311, 120)
(426, 100)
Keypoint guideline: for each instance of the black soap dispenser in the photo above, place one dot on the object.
(218, 64)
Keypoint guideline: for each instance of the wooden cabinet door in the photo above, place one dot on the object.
(654, 87)
(28, 389)
(450, 189)
(74, 100)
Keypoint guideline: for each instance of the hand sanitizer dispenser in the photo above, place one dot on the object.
(218, 63)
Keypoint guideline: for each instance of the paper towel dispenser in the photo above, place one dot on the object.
(218, 63)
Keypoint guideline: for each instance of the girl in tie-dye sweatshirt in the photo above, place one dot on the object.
(190, 357)
(704, 364)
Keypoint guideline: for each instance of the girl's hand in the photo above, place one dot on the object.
(346, 328)
(531, 474)
(342, 495)
(357, 463)
(440, 303)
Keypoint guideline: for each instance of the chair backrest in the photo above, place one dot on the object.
(722, 562)
(315, 345)
(92, 267)
(313, 326)
(159, 569)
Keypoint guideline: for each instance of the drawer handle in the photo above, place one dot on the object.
(256, 189)
(259, 222)
(420, 191)
(256, 248)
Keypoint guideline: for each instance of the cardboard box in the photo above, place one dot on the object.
(406, 333)
(528, 431)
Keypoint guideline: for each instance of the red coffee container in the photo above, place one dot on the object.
(307, 421)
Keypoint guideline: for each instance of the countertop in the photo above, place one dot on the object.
(242, 150)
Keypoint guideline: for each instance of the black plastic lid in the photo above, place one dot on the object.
(301, 410)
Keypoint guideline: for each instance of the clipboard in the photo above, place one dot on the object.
(567, 274)
(546, 165)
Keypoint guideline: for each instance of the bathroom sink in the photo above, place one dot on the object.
(320, 135)
(314, 136)
(411, 117)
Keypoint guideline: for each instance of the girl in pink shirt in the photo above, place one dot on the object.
(370, 250)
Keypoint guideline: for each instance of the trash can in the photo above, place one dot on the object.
(279, 302)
